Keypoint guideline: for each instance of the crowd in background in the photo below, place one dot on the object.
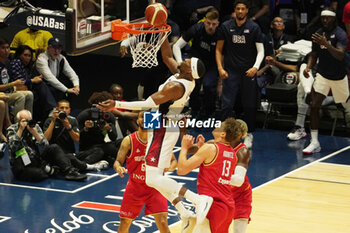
(35, 76)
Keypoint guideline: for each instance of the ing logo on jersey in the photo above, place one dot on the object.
(151, 120)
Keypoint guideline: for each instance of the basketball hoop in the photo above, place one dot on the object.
(145, 40)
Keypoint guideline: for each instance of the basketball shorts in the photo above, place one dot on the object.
(340, 88)
(136, 195)
(220, 217)
(160, 146)
(243, 203)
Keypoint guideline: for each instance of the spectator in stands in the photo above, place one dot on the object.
(307, 15)
(94, 125)
(21, 67)
(239, 53)
(62, 129)
(274, 40)
(346, 21)
(28, 161)
(329, 45)
(19, 99)
(259, 13)
(56, 71)
(203, 36)
(4, 116)
(126, 119)
(35, 39)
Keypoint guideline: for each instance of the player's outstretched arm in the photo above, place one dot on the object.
(171, 91)
(168, 59)
(121, 156)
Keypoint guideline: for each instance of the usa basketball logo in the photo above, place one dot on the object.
(151, 120)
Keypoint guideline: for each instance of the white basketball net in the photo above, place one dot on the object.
(144, 47)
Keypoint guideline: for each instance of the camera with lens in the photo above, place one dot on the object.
(62, 115)
(98, 117)
(31, 123)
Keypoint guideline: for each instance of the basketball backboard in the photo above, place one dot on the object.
(90, 21)
(86, 24)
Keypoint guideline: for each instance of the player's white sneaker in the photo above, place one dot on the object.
(203, 207)
(297, 133)
(314, 147)
(188, 222)
(248, 140)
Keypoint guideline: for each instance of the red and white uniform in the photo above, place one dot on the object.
(162, 141)
(214, 180)
(243, 200)
(137, 193)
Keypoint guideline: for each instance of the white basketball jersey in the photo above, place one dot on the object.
(176, 108)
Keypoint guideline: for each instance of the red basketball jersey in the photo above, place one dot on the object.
(239, 190)
(135, 160)
(214, 177)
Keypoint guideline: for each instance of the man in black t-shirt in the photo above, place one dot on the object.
(239, 53)
(328, 48)
(203, 37)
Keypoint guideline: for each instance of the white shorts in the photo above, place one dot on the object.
(160, 146)
(340, 88)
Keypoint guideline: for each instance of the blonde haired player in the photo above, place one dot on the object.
(217, 172)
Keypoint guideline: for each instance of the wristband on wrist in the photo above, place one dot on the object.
(9, 85)
(69, 129)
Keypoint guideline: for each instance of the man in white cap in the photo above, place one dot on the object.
(328, 46)
(168, 103)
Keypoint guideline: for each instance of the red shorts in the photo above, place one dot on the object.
(220, 217)
(243, 203)
(136, 195)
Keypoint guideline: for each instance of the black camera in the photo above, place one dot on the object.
(31, 123)
(62, 115)
(98, 117)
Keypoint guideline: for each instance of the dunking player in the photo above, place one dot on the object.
(170, 99)
(137, 193)
(217, 172)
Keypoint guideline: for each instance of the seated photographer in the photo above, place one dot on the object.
(31, 156)
(63, 130)
(94, 126)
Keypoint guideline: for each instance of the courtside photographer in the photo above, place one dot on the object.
(31, 156)
(97, 129)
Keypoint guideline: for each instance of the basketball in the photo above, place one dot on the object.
(156, 14)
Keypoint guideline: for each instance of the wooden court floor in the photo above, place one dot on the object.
(314, 198)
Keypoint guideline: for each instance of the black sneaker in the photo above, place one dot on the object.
(73, 174)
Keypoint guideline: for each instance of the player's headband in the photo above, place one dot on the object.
(194, 67)
(327, 13)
